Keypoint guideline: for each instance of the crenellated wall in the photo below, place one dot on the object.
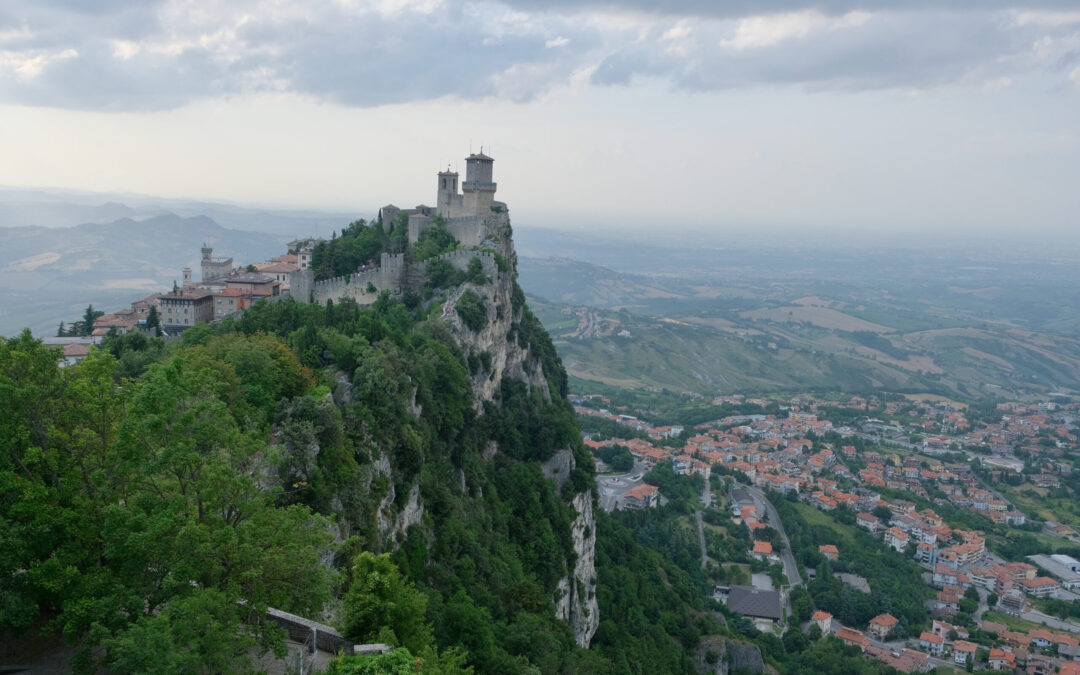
(394, 274)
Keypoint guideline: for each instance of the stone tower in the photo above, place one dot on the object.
(214, 268)
(187, 275)
(448, 200)
(478, 188)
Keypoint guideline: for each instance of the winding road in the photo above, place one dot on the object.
(706, 501)
(791, 570)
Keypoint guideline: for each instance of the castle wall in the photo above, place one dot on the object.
(300, 284)
(469, 230)
(394, 274)
(216, 269)
(417, 224)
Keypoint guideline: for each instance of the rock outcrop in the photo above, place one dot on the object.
(717, 655)
(576, 602)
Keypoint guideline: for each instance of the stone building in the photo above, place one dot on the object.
(185, 307)
(214, 268)
(460, 211)
(254, 283)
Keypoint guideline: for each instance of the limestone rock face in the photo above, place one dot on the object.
(494, 352)
(576, 595)
(495, 339)
(727, 656)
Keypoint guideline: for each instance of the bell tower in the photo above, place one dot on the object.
(479, 186)
(448, 200)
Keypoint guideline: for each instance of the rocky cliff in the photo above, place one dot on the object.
(497, 347)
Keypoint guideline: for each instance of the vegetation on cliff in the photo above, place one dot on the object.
(157, 498)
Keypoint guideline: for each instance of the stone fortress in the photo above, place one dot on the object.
(212, 268)
(472, 216)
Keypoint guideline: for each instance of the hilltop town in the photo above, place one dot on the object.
(955, 497)
(472, 221)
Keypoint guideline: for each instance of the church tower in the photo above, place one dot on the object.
(478, 188)
(448, 201)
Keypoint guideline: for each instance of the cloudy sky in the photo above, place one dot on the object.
(959, 116)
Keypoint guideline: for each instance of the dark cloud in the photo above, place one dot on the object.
(146, 56)
(919, 50)
(159, 54)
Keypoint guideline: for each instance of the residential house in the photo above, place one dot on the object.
(823, 621)
(868, 521)
(853, 637)
(1069, 668)
(1040, 637)
(1001, 660)
(963, 652)
(185, 307)
(932, 644)
(641, 497)
(896, 538)
(1037, 664)
(75, 352)
(1039, 587)
(881, 625)
(763, 550)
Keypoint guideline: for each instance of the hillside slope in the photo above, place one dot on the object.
(271, 460)
(710, 337)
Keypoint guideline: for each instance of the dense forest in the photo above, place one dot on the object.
(158, 497)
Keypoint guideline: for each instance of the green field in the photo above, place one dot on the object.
(1014, 623)
(820, 518)
(756, 335)
(1060, 509)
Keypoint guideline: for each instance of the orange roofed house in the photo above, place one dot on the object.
(881, 625)
(641, 497)
(823, 621)
(853, 637)
(763, 551)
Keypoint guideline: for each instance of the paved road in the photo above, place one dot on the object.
(701, 539)
(791, 570)
(984, 597)
(706, 501)
(611, 495)
(1052, 621)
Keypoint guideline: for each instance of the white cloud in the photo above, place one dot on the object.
(769, 30)
(125, 49)
(1047, 18)
(29, 65)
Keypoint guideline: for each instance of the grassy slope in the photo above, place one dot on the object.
(722, 355)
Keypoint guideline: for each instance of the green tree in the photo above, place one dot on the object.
(89, 316)
(381, 606)
(474, 272)
(153, 322)
(472, 310)
(883, 514)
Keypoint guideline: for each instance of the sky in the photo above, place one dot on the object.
(892, 116)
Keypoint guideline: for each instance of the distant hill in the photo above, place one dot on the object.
(48, 274)
(65, 208)
(952, 337)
